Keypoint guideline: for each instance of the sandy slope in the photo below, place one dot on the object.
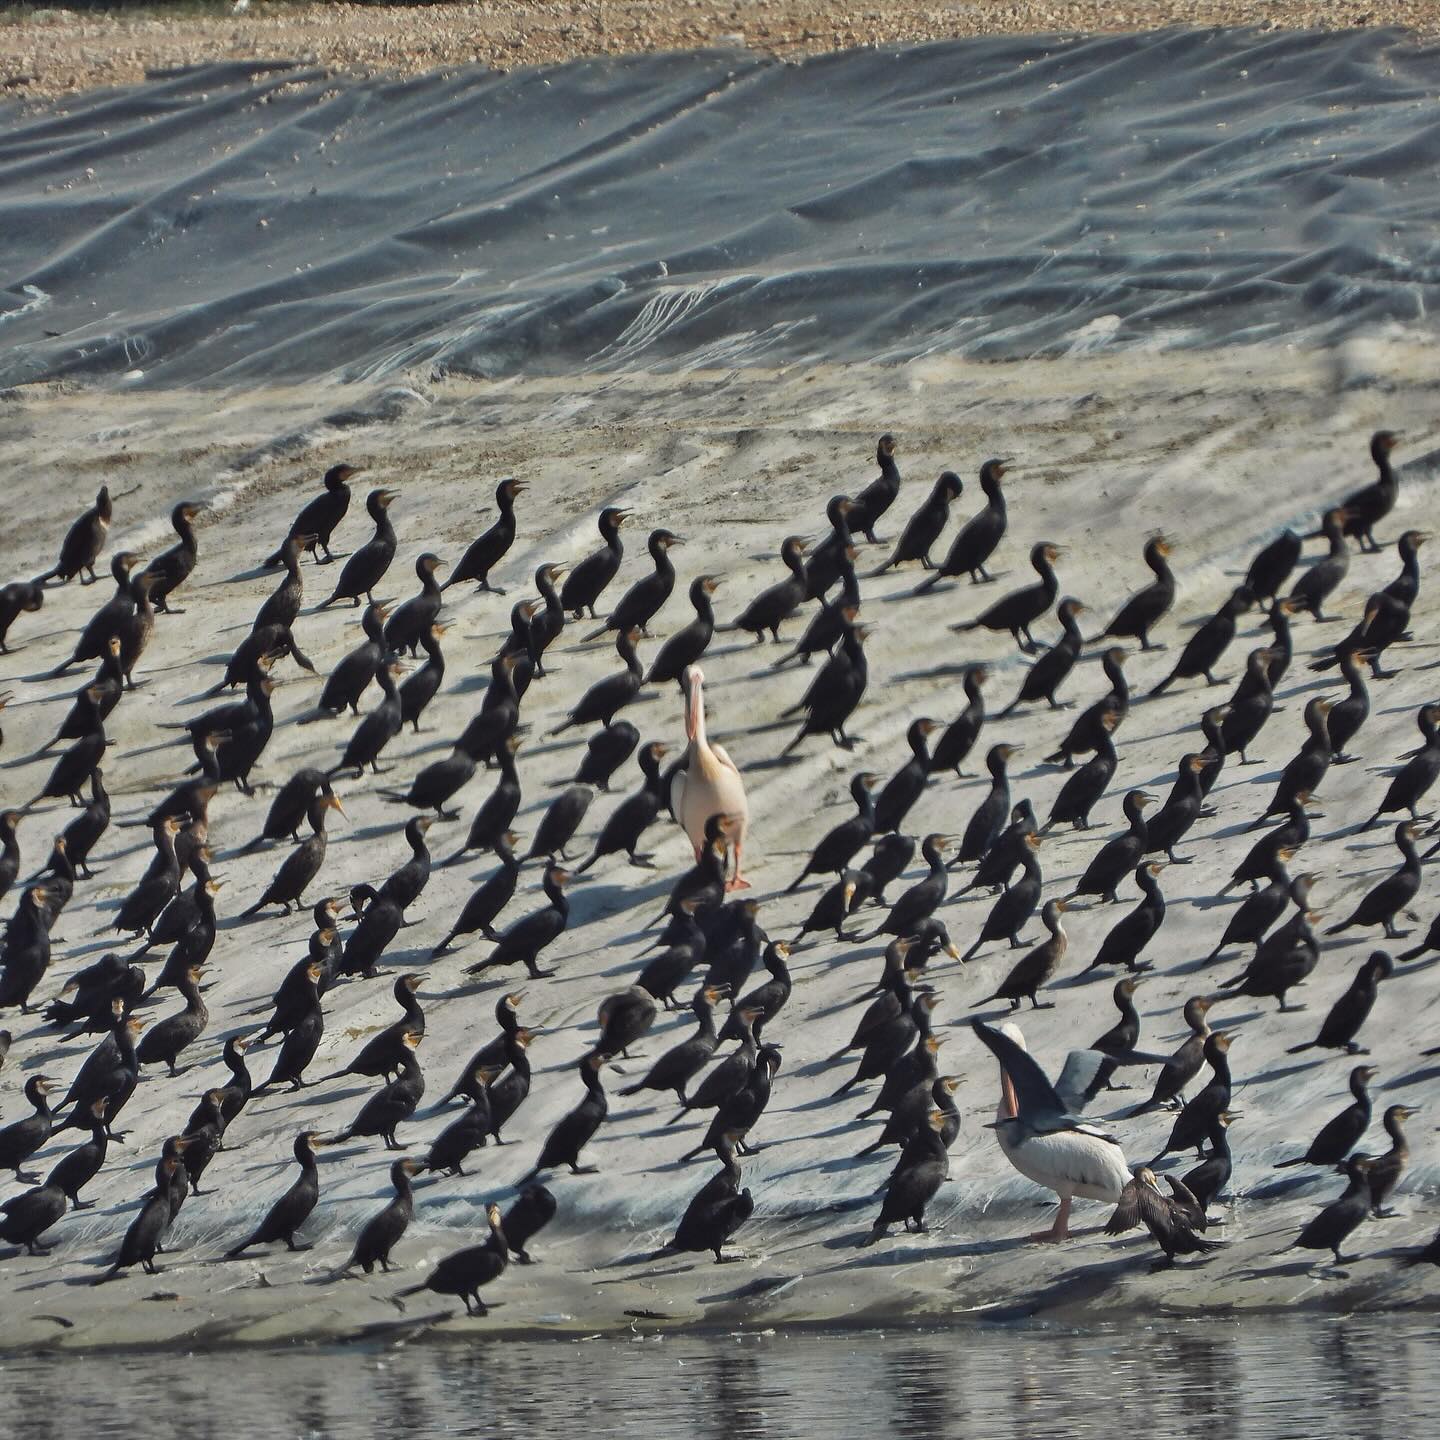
(1219, 449)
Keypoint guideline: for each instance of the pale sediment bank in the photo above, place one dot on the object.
(1218, 448)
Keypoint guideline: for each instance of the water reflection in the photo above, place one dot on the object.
(1252, 1380)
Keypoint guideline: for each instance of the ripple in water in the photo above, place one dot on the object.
(1249, 1380)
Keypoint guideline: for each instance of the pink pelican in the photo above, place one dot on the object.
(1043, 1140)
(708, 783)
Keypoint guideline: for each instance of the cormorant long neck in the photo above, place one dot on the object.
(1393, 1128)
(1115, 673)
(923, 1013)
(919, 744)
(120, 568)
(315, 813)
(1188, 782)
(191, 991)
(864, 802)
(1359, 1184)
(306, 1156)
(235, 1061)
(1150, 887)
(730, 1167)
(1380, 454)
(1030, 863)
(1409, 563)
(110, 667)
(626, 646)
(1135, 813)
(1280, 625)
(60, 862)
(205, 899)
(704, 609)
(556, 894)
(990, 483)
(705, 1015)
(1129, 1015)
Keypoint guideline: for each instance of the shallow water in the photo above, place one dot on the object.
(1256, 1379)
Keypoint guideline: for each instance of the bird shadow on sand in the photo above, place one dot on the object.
(888, 1252)
(651, 1257)
(766, 1287)
(819, 1102)
(477, 683)
(1078, 980)
(1216, 902)
(600, 897)
(1306, 1179)
(1208, 962)
(1412, 1077)
(1243, 1018)
(71, 1280)
(1317, 1269)
(934, 672)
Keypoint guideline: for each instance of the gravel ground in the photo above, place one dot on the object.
(45, 52)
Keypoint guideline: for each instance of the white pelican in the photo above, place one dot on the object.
(1042, 1139)
(708, 783)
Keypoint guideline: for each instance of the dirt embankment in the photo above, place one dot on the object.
(49, 51)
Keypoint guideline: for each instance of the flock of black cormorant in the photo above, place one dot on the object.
(111, 1023)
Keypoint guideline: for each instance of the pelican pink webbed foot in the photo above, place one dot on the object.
(1060, 1230)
